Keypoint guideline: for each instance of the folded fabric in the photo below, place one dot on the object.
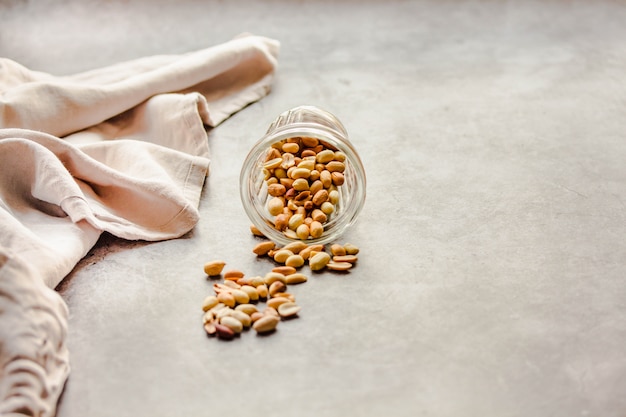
(121, 149)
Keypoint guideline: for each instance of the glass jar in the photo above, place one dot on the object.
(307, 122)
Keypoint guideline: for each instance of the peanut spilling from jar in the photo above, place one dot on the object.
(233, 309)
(303, 176)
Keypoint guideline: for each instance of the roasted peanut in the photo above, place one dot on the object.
(256, 315)
(241, 297)
(276, 190)
(285, 270)
(303, 232)
(338, 178)
(266, 324)
(291, 148)
(251, 291)
(327, 208)
(226, 298)
(256, 281)
(276, 287)
(316, 229)
(209, 302)
(231, 284)
(345, 258)
(270, 311)
(288, 309)
(262, 290)
(281, 255)
(319, 261)
(275, 206)
(243, 318)
(338, 266)
(263, 248)
(276, 301)
(247, 308)
(214, 268)
(286, 295)
(335, 166)
(274, 163)
(325, 156)
(223, 332)
(310, 142)
(255, 231)
(210, 329)
(233, 274)
(296, 246)
(271, 277)
(305, 253)
(351, 249)
(232, 323)
(295, 278)
(337, 250)
(295, 261)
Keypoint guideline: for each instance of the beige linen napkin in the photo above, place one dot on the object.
(121, 149)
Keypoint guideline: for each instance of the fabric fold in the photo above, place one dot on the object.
(34, 359)
(121, 149)
(63, 105)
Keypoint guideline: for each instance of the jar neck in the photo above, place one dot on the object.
(308, 116)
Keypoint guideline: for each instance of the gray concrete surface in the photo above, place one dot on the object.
(491, 279)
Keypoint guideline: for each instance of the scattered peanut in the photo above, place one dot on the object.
(251, 291)
(345, 258)
(276, 301)
(264, 247)
(262, 290)
(241, 297)
(249, 309)
(337, 250)
(338, 266)
(255, 316)
(285, 270)
(307, 251)
(296, 278)
(296, 247)
(288, 309)
(223, 332)
(271, 277)
(271, 311)
(232, 309)
(286, 295)
(351, 249)
(276, 287)
(255, 231)
(232, 323)
(231, 284)
(266, 324)
(282, 255)
(210, 329)
(319, 261)
(244, 318)
(214, 268)
(295, 261)
(226, 298)
(233, 275)
(209, 302)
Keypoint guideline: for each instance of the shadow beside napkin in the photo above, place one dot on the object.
(121, 149)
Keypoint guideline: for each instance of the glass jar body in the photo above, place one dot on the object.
(292, 125)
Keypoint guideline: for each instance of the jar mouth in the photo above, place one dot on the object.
(253, 189)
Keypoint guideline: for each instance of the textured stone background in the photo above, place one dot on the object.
(491, 279)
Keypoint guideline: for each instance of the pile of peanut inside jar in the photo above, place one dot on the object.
(304, 179)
